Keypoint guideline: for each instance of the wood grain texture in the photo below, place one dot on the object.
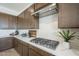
(68, 15)
(3, 21)
(7, 21)
(21, 47)
(20, 19)
(12, 22)
(28, 21)
(6, 43)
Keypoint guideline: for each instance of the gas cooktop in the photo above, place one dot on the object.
(46, 43)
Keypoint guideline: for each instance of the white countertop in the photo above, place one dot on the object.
(60, 51)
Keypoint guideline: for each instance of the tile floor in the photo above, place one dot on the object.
(9, 52)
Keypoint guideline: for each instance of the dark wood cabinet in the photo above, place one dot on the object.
(7, 21)
(20, 19)
(18, 46)
(15, 42)
(28, 21)
(68, 15)
(3, 21)
(21, 47)
(6, 43)
(25, 49)
(12, 22)
(31, 20)
(24, 21)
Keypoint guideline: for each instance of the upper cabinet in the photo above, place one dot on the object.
(12, 22)
(28, 21)
(3, 21)
(20, 19)
(7, 21)
(32, 20)
(68, 15)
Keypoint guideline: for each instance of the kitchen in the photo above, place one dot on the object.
(33, 29)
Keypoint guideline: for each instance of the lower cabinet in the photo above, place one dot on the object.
(25, 49)
(6, 43)
(16, 44)
(21, 47)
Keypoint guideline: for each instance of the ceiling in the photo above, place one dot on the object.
(13, 8)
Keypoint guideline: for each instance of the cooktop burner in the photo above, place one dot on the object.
(46, 43)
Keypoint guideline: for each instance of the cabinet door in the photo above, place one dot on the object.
(19, 48)
(15, 44)
(27, 21)
(12, 22)
(3, 21)
(25, 51)
(20, 19)
(7, 21)
(31, 20)
(68, 15)
(6, 43)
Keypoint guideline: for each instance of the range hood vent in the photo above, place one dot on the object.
(49, 10)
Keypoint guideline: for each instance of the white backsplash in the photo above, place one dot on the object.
(7, 32)
(48, 27)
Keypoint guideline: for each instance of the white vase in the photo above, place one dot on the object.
(66, 45)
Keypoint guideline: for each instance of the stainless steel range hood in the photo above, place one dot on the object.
(51, 9)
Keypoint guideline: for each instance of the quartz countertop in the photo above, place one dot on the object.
(60, 50)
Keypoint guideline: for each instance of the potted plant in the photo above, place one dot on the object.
(67, 35)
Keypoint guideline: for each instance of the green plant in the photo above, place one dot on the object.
(67, 35)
